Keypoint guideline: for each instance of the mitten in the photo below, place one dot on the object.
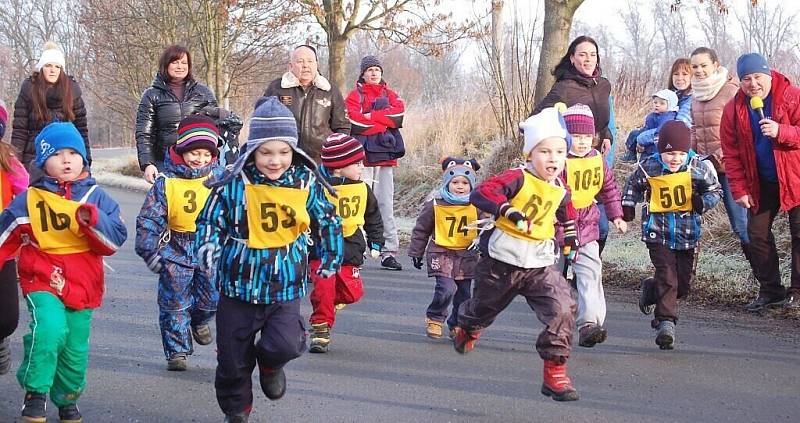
(417, 262)
(516, 216)
(375, 250)
(380, 103)
(697, 204)
(154, 263)
(571, 243)
(628, 213)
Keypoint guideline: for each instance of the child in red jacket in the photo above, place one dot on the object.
(63, 225)
(376, 114)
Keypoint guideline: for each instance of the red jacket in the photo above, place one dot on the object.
(359, 102)
(738, 146)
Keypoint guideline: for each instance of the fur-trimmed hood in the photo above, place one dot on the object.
(289, 80)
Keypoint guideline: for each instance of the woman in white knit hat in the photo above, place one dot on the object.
(48, 95)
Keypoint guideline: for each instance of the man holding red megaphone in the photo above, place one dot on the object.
(760, 134)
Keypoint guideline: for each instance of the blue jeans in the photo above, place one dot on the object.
(447, 291)
(737, 215)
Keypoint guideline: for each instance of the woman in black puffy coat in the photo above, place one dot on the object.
(174, 95)
(46, 96)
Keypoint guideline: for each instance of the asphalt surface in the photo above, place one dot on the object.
(381, 367)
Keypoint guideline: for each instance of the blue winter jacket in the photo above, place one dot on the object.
(684, 114)
(676, 230)
(270, 275)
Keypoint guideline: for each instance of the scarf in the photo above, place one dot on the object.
(708, 88)
(452, 198)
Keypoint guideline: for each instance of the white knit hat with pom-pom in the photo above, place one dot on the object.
(51, 54)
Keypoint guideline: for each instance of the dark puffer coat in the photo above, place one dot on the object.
(159, 113)
(25, 125)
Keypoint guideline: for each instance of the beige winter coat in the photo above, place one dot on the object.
(706, 118)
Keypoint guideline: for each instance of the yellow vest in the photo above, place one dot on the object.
(276, 216)
(538, 201)
(54, 224)
(450, 225)
(585, 179)
(185, 199)
(671, 193)
(350, 206)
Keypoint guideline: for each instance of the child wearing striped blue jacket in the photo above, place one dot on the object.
(255, 231)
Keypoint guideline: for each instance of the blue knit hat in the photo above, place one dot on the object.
(751, 63)
(58, 136)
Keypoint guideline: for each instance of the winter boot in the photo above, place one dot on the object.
(177, 363)
(202, 334)
(237, 418)
(5, 356)
(665, 336)
(646, 303)
(34, 410)
(273, 382)
(464, 341)
(591, 334)
(320, 338)
(69, 414)
(556, 383)
(433, 328)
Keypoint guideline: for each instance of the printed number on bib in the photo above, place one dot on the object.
(676, 196)
(49, 219)
(270, 219)
(535, 211)
(191, 201)
(585, 177)
(349, 206)
(670, 193)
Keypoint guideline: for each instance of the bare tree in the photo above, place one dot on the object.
(766, 28)
(558, 16)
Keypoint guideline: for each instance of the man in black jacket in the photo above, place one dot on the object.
(317, 105)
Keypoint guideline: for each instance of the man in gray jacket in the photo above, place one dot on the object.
(316, 104)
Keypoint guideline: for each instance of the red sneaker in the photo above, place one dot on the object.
(464, 341)
(556, 383)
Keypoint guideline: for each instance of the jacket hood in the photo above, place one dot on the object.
(288, 80)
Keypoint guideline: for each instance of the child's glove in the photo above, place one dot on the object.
(697, 204)
(207, 255)
(628, 213)
(417, 262)
(154, 264)
(571, 243)
(516, 216)
(375, 250)
(325, 273)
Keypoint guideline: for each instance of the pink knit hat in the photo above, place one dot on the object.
(579, 119)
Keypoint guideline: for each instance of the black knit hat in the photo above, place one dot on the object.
(368, 62)
(674, 136)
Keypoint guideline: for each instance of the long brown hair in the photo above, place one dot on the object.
(6, 151)
(39, 97)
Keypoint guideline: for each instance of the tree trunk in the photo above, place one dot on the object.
(337, 44)
(558, 16)
(497, 36)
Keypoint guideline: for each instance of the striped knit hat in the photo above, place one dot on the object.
(579, 119)
(341, 150)
(197, 131)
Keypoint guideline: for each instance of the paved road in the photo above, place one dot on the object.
(381, 367)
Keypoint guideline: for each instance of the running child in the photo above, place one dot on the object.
(676, 187)
(165, 230)
(342, 162)
(518, 255)
(452, 252)
(253, 233)
(62, 226)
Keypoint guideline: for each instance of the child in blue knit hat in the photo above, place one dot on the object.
(62, 226)
(255, 231)
(441, 228)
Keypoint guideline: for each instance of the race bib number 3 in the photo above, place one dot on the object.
(185, 199)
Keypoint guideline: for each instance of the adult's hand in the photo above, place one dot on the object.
(606, 146)
(150, 173)
(744, 201)
(769, 128)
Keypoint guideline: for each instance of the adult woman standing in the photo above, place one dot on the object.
(579, 80)
(47, 95)
(173, 95)
(713, 87)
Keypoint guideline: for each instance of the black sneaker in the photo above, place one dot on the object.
(34, 410)
(5, 356)
(273, 383)
(390, 263)
(762, 301)
(70, 414)
(792, 302)
(646, 304)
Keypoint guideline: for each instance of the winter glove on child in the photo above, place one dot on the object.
(154, 263)
(207, 255)
(375, 250)
(697, 204)
(571, 243)
(417, 262)
(628, 213)
(516, 216)
(380, 103)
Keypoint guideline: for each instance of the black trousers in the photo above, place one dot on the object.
(282, 338)
(9, 299)
(763, 252)
(673, 275)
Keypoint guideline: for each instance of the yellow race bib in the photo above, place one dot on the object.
(185, 199)
(450, 225)
(350, 206)
(54, 224)
(671, 193)
(585, 179)
(538, 201)
(276, 216)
